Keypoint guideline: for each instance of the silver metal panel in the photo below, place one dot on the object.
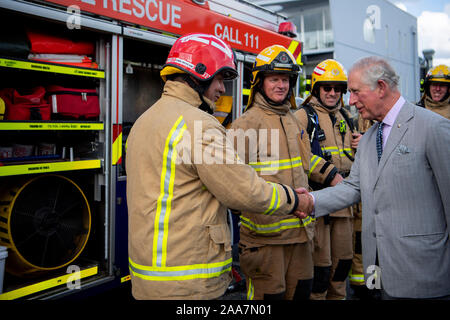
(250, 58)
(148, 36)
(287, 7)
(59, 15)
(111, 217)
(237, 91)
(240, 56)
(248, 12)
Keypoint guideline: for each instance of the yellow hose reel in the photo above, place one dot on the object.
(45, 222)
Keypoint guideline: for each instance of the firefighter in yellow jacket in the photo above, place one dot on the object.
(437, 91)
(275, 251)
(330, 133)
(182, 173)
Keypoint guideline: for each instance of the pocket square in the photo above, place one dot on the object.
(402, 149)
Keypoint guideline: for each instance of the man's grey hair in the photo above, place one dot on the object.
(374, 69)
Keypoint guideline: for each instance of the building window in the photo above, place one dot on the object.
(315, 28)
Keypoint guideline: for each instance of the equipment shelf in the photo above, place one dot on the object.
(51, 125)
(51, 67)
(66, 279)
(47, 167)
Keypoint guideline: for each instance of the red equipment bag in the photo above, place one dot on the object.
(47, 43)
(28, 104)
(74, 103)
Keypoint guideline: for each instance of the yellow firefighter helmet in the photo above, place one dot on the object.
(329, 72)
(274, 59)
(439, 73)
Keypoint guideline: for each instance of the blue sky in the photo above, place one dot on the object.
(433, 26)
(415, 7)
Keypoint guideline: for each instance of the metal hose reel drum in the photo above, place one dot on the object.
(45, 222)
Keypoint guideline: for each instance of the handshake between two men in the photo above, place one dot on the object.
(305, 203)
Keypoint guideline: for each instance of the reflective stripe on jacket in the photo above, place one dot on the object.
(177, 195)
(279, 153)
(333, 140)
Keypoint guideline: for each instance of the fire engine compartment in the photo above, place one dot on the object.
(142, 84)
(36, 272)
(87, 155)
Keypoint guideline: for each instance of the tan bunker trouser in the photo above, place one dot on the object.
(356, 276)
(332, 255)
(277, 271)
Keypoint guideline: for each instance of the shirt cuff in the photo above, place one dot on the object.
(313, 213)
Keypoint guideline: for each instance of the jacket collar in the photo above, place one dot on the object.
(184, 92)
(431, 104)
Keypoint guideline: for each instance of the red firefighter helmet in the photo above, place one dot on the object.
(202, 56)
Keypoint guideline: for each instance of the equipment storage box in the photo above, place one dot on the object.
(3, 255)
(74, 103)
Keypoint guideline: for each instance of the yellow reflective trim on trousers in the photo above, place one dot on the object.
(277, 226)
(275, 202)
(180, 273)
(356, 278)
(164, 203)
(250, 290)
(277, 164)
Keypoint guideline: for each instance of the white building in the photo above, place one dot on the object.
(347, 30)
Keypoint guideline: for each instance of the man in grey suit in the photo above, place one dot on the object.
(405, 194)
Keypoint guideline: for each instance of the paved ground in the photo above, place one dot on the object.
(236, 291)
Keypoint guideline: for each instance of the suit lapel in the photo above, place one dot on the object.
(398, 130)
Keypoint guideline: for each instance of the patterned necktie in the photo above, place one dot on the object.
(380, 140)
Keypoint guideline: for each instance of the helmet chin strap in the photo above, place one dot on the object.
(446, 96)
(200, 88)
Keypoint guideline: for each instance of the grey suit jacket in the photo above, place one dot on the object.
(405, 203)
